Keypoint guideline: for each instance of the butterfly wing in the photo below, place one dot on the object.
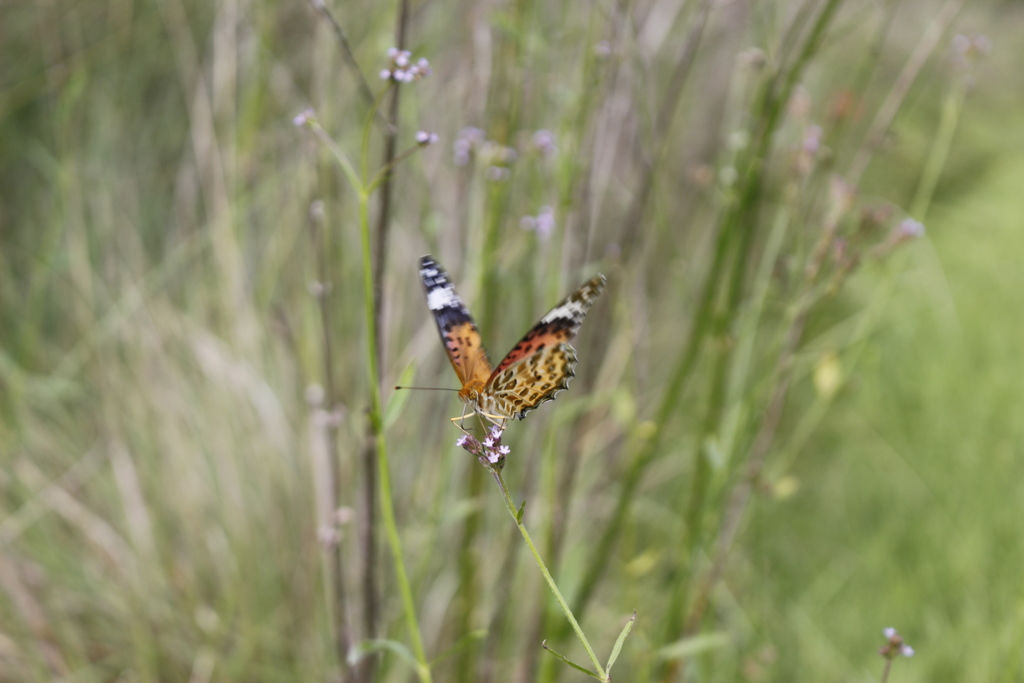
(543, 362)
(459, 333)
(531, 380)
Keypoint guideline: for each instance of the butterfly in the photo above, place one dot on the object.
(536, 368)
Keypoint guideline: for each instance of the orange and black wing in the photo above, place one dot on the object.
(543, 362)
(459, 334)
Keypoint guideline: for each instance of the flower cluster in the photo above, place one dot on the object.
(466, 144)
(401, 68)
(544, 142)
(971, 47)
(304, 118)
(543, 223)
(490, 452)
(424, 138)
(908, 229)
(495, 158)
(895, 647)
(852, 244)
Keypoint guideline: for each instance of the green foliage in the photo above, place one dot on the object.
(791, 427)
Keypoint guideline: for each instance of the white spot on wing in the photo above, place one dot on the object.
(571, 310)
(443, 297)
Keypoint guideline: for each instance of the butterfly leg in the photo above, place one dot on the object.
(497, 420)
(461, 420)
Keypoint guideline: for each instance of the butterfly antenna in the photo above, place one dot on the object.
(426, 388)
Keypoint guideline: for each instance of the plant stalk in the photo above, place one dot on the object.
(377, 427)
(511, 507)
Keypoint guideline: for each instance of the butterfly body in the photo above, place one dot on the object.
(536, 368)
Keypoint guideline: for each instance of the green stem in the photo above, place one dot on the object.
(940, 150)
(384, 173)
(339, 155)
(737, 240)
(650, 446)
(376, 424)
(547, 575)
(367, 127)
(885, 672)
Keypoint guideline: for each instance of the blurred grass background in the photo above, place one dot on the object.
(184, 482)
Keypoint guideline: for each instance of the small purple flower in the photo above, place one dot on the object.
(424, 138)
(494, 157)
(974, 46)
(491, 452)
(421, 69)
(543, 223)
(304, 117)
(473, 134)
(909, 228)
(544, 141)
(895, 647)
(496, 174)
(466, 142)
(401, 68)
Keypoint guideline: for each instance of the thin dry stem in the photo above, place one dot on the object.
(891, 105)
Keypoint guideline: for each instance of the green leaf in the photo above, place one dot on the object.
(687, 647)
(519, 515)
(463, 643)
(618, 644)
(571, 663)
(398, 398)
(378, 645)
